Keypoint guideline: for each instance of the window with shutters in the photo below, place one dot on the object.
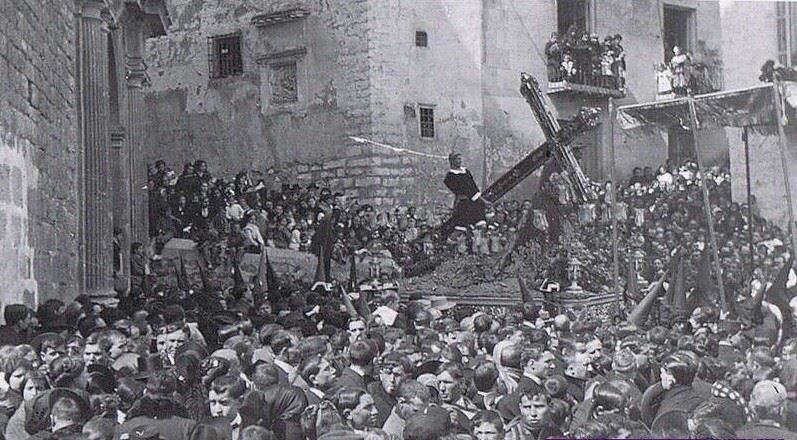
(225, 56)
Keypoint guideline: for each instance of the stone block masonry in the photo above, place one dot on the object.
(38, 152)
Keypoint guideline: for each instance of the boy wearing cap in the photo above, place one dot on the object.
(393, 369)
(767, 403)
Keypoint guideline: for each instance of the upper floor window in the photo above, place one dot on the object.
(421, 39)
(225, 55)
(787, 32)
(427, 122)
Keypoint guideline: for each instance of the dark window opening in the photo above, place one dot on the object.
(680, 145)
(427, 122)
(225, 56)
(677, 31)
(421, 39)
(571, 13)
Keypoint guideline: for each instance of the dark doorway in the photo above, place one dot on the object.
(571, 12)
(678, 30)
(680, 145)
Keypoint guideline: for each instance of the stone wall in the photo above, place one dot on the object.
(38, 151)
(230, 122)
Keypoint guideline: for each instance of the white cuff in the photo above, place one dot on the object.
(476, 196)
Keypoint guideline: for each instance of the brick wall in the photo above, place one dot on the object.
(38, 155)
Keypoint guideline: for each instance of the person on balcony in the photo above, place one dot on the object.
(663, 80)
(582, 56)
(679, 65)
(618, 67)
(553, 52)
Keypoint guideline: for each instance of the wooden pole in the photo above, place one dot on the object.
(746, 139)
(783, 156)
(613, 207)
(707, 202)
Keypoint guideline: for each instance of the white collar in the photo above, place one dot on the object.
(460, 170)
(237, 421)
(358, 369)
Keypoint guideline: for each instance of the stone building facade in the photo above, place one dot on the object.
(70, 106)
(314, 72)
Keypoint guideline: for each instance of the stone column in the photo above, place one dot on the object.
(97, 217)
(136, 79)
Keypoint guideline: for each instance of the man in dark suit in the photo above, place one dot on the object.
(675, 390)
(357, 375)
(324, 238)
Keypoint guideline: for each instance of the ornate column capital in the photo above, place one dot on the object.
(93, 9)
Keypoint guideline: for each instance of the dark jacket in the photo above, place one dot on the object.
(383, 401)
(11, 336)
(72, 432)
(351, 379)
(656, 400)
(168, 428)
(764, 430)
(278, 408)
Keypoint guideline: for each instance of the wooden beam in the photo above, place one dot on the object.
(707, 203)
(779, 120)
(613, 195)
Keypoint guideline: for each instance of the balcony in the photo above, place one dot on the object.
(693, 79)
(607, 80)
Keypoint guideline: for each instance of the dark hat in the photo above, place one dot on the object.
(428, 367)
(193, 348)
(142, 431)
(225, 317)
(37, 342)
(101, 380)
(148, 365)
(173, 314)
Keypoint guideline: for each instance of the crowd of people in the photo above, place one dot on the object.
(582, 58)
(229, 216)
(657, 213)
(208, 361)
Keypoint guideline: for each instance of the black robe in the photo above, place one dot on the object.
(467, 211)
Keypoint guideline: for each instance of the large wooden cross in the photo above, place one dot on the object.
(556, 146)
